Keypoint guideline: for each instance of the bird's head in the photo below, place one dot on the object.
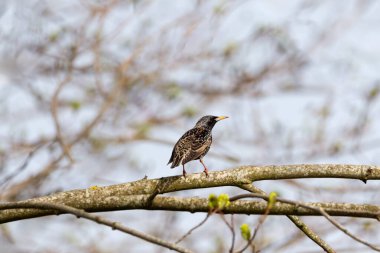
(209, 121)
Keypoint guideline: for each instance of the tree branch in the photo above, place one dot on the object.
(310, 207)
(190, 204)
(59, 208)
(296, 221)
(138, 194)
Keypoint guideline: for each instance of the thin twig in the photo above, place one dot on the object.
(98, 219)
(23, 165)
(233, 233)
(86, 130)
(54, 102)
(14, 190)
(54, 114)
(261, 222)
(297, 221)
(345, 230)
(194, 228)
(317, 209)
(310, 233)
(231, 227)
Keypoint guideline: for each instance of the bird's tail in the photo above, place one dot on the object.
(171, 162)
(172, 166)
(175, 162)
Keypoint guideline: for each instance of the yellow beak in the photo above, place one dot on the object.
(221, 117)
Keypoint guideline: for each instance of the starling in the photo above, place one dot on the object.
(195, 143)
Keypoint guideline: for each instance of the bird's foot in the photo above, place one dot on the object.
(206, 171)
(184, 173)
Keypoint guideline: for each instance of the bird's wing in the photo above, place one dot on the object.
(190, 146)
(197, 142)
(201, 144)
(180, 149)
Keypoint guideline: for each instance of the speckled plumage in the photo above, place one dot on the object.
(195, 143)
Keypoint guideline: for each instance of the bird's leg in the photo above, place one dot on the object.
(183, 170)
(204, 166)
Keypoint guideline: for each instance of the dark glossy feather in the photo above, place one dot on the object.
(193, 145)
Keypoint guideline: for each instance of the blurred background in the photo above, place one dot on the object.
(98, 92)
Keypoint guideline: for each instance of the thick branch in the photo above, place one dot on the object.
(194, 204)
(138, 194)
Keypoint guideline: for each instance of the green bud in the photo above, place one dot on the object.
(173, 91)
(143, 129)
(189, 111)
(223, 200)
(230, 49)
(97, 144)
(75, 105)
(245, 231)
(53, 37)
(212, 201)
(272, 199)
(373, 93)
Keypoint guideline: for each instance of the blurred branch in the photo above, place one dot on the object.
(22, 167)
(54, 104)
(122, 139)
(103, 109)
(12, 192)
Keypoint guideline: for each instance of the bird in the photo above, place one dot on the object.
(195, 143)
